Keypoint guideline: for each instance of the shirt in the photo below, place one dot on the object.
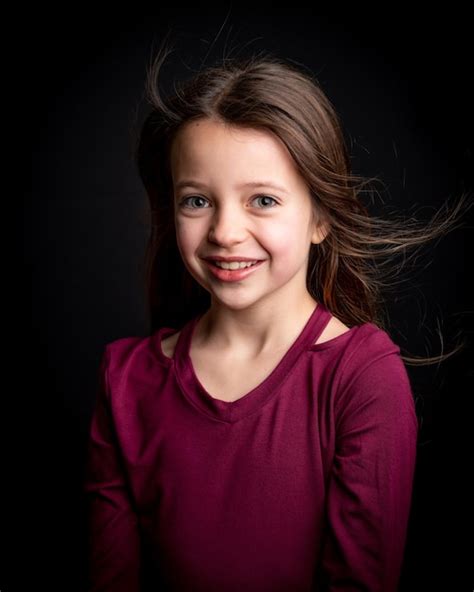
(303, 484)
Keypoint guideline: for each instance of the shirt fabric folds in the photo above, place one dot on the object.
(304, 484)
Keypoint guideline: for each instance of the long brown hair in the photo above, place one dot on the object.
(361, 259)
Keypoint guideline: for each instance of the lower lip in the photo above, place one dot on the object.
(232, 275)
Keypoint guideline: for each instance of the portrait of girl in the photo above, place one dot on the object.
(263, 436)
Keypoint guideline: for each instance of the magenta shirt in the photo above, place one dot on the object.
(304, 484)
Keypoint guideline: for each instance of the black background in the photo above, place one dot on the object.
(401, 84)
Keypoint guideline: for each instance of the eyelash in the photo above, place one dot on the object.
(183, 201)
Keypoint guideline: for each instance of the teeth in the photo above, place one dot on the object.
(234, 264)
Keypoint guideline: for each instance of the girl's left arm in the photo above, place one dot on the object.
(370, 486)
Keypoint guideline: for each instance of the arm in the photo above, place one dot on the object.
(370, 486)
(113, 539)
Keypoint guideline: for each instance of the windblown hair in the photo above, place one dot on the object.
(352, 270)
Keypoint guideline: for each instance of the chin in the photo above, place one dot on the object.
(237, 302)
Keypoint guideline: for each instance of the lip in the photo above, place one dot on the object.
(232, 275)
(230, 259)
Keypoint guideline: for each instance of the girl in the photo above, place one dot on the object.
(269, 442)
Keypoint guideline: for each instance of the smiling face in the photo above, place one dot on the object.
(219, 213)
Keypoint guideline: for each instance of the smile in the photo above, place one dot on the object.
(234, 264)
(233, 272)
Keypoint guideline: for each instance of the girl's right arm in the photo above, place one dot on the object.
(113, 538)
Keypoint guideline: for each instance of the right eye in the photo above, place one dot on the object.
(185, 200)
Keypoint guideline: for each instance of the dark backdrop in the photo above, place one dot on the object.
(401, 84)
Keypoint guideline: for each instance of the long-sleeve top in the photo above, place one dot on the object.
(303, 484)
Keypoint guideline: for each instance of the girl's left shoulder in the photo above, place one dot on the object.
(370, 346)
(333, 329)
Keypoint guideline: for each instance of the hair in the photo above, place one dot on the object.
(360, 260)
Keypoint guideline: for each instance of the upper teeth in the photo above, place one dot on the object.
(235, 264)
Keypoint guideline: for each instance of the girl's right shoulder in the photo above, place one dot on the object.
(135, 352)
(168, 343)
(130, 369)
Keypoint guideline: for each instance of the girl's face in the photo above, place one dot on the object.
(237, 193)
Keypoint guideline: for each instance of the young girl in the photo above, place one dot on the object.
(269, 442)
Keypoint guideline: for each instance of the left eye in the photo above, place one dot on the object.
(265, 197)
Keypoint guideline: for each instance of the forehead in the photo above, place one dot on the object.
(206, 146)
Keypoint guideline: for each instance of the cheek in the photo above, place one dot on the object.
(187, 236)
(286, 240)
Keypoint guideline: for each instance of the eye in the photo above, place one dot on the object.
(191, 197)
(199, 197)
(265, 197)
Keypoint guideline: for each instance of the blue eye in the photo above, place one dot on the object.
(191, 197)
(185, 200)
(265, 197)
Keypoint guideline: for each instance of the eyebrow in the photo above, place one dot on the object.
(191, 183)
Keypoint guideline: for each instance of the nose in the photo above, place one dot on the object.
(228, 226)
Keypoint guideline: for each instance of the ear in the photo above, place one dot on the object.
(320, 234)
(320, 227)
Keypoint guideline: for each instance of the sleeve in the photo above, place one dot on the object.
(370, 486)
(112, 531)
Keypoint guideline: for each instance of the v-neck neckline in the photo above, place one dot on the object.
(231, 411)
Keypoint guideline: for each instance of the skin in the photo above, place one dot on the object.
(267, 310)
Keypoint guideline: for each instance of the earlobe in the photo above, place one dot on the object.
(320, 233)
(320, 226)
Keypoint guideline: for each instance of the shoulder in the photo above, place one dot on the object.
(333, 329)
(131, 373)
(132, 356)
(369, 344)
(372, 375)
(368, 347)
(169, 343)
(117, 352)
(357, 354)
